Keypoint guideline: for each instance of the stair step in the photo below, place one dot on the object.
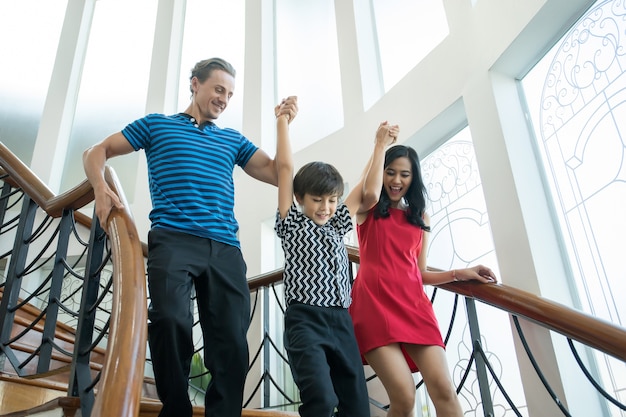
(58, 407)
(63, 406)
(151, 408)
(21, 397)
(268, 413)
(18, 394)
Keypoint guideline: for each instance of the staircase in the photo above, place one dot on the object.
(41, 359)
(122, 389)
(49, 390)
(21, 397)
(15, 394)
(46, 395)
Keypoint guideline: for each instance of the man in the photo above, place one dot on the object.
(192, 241)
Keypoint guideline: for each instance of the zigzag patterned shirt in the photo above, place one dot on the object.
(316, 259)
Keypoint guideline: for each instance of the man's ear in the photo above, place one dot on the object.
(299, 199)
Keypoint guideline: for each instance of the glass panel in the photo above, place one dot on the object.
(114, 83)
(215, 29)
(29, 35)
(576, 101)
(576, 97)
(407, 31)
(307, 62)
(461, 233)
(461, 237)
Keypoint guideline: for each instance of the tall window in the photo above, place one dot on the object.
(215, 29)
(461, 234)
(393, 37)
(29, 35)
(407, 31)
(307, 65)
(576, 99)
(114, 83)
(461, 237)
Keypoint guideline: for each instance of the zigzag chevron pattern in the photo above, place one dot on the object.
(316, 259)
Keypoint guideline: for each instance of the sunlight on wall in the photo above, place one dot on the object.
(407, 32)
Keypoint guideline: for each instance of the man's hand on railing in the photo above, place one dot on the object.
(105, 199)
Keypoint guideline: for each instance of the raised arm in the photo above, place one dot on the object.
(94, 159)
(365, 194)
(261, 166)
(284, 163)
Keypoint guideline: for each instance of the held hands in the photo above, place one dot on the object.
(477, 273)
(387, 134)
(288, 107)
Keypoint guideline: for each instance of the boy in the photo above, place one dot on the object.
(319, 335)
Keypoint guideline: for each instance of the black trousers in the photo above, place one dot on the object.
(176, 262)
(325, 361)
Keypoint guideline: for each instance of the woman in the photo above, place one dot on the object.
(394, 321)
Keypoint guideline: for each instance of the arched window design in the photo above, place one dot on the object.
(461, 237)
(577, 101)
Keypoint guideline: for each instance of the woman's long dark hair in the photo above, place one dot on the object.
(415, 195)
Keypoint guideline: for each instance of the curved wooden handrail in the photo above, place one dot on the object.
(592, 331)
(124, 359)
(585, 328)
(39, 192)
(596, 333)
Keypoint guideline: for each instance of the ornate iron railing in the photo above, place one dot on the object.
(60, 261)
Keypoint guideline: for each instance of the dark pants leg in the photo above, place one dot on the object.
(346, 368)
(176, 262)
(224, 306)
(325, 362)
(170, 321)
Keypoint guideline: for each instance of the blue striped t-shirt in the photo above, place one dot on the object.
(190, 171)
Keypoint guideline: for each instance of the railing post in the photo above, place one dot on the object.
(266, 348)
(481, 369)
(56, 286)
(13, 283)
(80, 384)
(4, 201)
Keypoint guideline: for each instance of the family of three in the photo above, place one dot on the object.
(331, 329)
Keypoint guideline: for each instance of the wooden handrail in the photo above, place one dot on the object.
(592, 331)
(125, 358)
(31, 184)
(585, 328)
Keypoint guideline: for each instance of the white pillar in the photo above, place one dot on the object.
(58, 113)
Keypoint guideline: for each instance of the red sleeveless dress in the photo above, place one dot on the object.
(389, 304)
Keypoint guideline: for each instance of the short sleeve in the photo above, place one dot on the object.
(342, 221)
(282, 226)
